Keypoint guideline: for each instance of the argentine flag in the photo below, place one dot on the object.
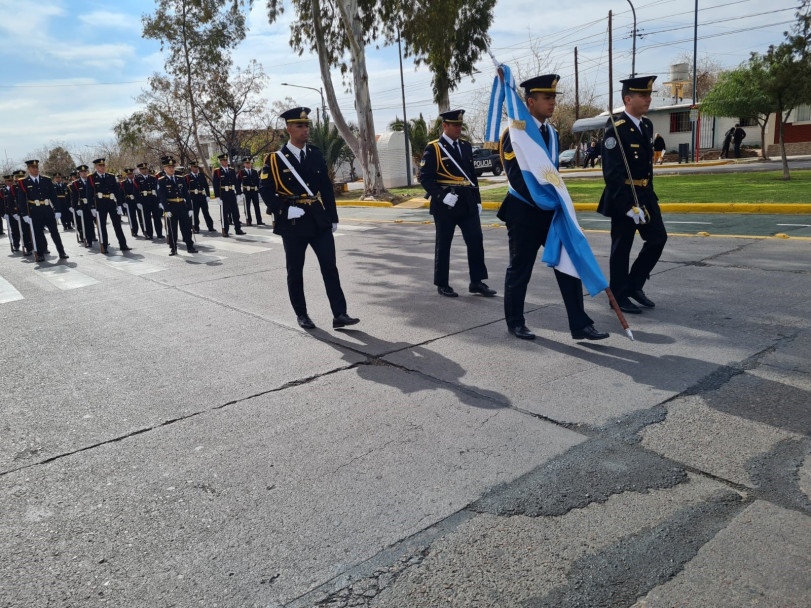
(566, 249)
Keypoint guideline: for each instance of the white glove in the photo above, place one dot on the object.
(58, 215)
(94, 212)
(635, 213)
(450, 199)
(335, 226)
(140, 206)
(70, 209)
(191, 213)
(79, 213)
(119, 210)
(294, 212)
(480, 208)
(5, 216)
(16, 216)
(160, 206)
(168, 214)
(28, 220)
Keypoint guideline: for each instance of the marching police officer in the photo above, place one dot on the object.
(36, 200)
(62, 200)
(106, 196)
(249, 185)
(628, 198)
(83, 206)
(130, 200)
(528, 224)
(146, 188)
(13, 209)
(200, 193)
(8, 209)
(296, 188)
(226, 188)
(173, 194)
(448, 175)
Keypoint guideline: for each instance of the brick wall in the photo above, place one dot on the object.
(792, 149)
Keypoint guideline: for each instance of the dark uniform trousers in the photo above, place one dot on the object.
(200, 203)
(42, 217)
(85, 223)
(470, 226)
(62, 207)
(323, 244)
(180, 218)
(107, 207)
(230, 210)
(147, 196)
(623, 230)
(527, 228)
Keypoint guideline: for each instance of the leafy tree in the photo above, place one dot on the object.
(196, 35)
(58, 159)
(449, 37)
(787, 73)
(328, 139)
(737, 94)
(338, 32)
(418, 135)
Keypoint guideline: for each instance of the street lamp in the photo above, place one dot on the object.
(633, 52)
(320, 91)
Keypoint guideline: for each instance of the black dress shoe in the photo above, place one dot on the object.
(191, 250)
(305, 322)
(447, 291)
(260, 223)
(481, 289)
(521, 331)
(589, 333)
(173, 252)
(640, 297)
(343, 319)
(627, 306)
(125, 248)
(63, 256)
(248, 223)
(240, 232)
(211, 230)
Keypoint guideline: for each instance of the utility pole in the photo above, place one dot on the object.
(576, 106)
(610, 69)
(633, 52)
(694, 124)
(405, 118)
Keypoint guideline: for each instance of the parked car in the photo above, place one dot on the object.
(567, 158)
(485, 160)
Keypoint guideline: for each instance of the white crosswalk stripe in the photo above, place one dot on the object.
(226, 245)
(64, 277)
(133, 266)
(8, 293)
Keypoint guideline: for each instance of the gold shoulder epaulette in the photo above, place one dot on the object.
(619, 122)
(160, 176)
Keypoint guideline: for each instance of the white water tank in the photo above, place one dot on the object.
(680, 72)
(391, 150)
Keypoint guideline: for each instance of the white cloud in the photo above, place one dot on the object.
(109, 19)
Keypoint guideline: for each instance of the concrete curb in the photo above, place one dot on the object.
(753, 208)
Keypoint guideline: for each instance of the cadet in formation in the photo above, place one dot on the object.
(130, 200)
(296, 188)
(200, 193)
(628, 198)
(146, 187)
(448, 175)
(62, 201)
(36, 200)
(80, 199)
(11, 214)
(249, 186)
(173, 195)
(107, 197)
(226, 188)
(528, 224)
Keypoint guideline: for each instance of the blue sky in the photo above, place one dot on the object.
(72, 68)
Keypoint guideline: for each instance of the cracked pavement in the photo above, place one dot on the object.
(174, 439)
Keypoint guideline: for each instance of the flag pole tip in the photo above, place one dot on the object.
(629, 334)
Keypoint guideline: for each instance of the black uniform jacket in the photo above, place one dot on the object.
(169, 191)
(439, 175)
(617, 198)
(225, 178)
(198, 184)
(27, 191)
(248, 179)
(146, 187)
(105, 185)
(280, 189)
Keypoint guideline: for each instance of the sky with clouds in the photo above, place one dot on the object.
(72, 68)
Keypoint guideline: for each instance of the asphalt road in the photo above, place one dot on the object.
(170, 437)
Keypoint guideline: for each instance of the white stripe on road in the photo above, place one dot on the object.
(198, 258)
(226, 245)
(354, 228)
(65, 277)
(132, 266)
(259, 238)
(8, 293)
(800, 225)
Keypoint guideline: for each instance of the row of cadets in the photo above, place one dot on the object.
(11, 213)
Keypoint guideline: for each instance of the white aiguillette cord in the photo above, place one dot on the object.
(295, 173)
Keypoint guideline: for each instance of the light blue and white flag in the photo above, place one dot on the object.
(566, 249)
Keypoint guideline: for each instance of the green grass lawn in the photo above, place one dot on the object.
(763, 187)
